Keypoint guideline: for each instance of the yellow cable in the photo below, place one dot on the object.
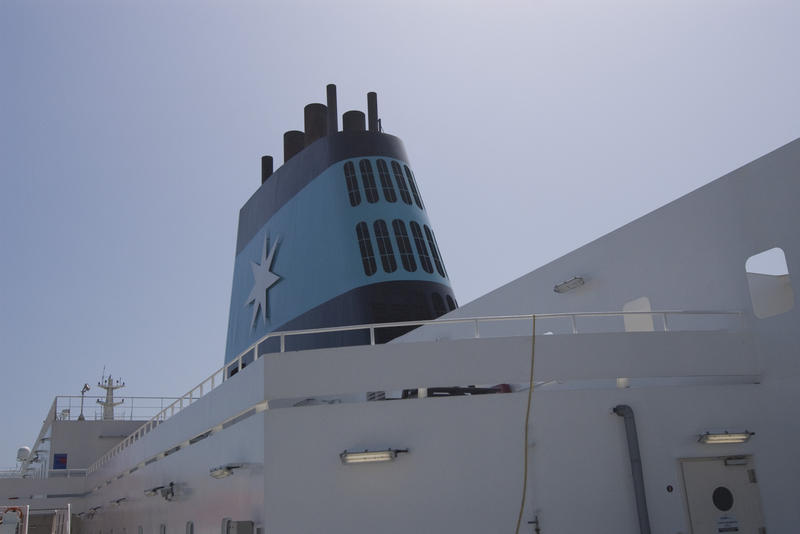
(527, 420)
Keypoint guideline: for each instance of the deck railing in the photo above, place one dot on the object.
(68, 407)
(456, 328)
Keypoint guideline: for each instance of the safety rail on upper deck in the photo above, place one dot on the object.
(450, 329)
(10, 472)
(71, 407)
(38, 474)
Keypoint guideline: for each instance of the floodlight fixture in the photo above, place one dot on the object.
(572, 283)
(168, 492)
(223, 471)
(152, 492)
(367, 456)
(725, 437)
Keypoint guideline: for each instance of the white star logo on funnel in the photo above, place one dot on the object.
(264, 278)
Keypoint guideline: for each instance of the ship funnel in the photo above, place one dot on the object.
(293, 142)
(266, 168)
(333, 115)
(372, 111)
(316, 122)
(353, 121)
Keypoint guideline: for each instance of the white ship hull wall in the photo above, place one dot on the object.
(463, 472)
(687, 255)
(464, 468)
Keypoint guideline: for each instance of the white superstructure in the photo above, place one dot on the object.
(668, 330)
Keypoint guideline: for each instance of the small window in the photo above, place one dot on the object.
(368, 179)
(435, 252)
(413, 186)
(401, 182)
(385, 247)
(365, 245)
(422, 249)
(451, 303)
(189, 527)
(352, 183)
(386, 182)
(438, 305)
(404, 246)
(770, 285)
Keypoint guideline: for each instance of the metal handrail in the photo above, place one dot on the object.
(135, 408)
(238, 363)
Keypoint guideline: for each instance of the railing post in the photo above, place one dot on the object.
(574, 326)
(371, 335)
(283, 343)
(477, 333)
(664, 318)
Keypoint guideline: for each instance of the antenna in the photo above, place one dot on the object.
(109, 404)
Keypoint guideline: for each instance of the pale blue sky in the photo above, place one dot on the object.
(131, 132)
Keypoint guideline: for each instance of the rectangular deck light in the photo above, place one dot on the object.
(572, 283)
(366, 456)
(152, 492)
(725, 437)
(223, 470)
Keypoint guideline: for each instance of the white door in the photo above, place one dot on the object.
(722, 495)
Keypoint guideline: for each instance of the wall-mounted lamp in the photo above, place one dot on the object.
(572, 283)
(152, 492)
(366, 456)
(725, 437)
(168, 492)
(223, 471)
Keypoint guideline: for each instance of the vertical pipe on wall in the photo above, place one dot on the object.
(626, 412)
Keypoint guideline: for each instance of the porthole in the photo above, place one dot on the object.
(385, 246)
(422, 249)
(404, 246)
(352, 184)
(401, 183)
(368, 179)
(722, 498)
(365, 246)
(386, 182)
